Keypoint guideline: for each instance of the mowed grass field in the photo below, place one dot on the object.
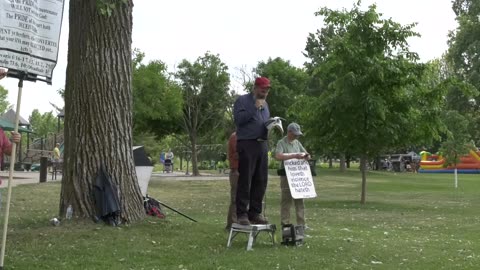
(410, 221)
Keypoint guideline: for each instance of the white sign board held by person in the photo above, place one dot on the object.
(29, 35)
(29, 42)
(300, 178)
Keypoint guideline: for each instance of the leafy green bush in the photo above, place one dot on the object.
(272, 162)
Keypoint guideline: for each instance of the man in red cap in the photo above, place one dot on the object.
(250, 113)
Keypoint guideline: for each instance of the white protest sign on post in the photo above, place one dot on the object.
(300, 178)
(29, 40)
(29, 35)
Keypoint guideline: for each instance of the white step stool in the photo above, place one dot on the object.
(252, 231)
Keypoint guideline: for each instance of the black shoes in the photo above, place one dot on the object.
(243, 220)
(258, 219)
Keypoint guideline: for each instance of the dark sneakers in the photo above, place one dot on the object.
(243, 220)
(258, 219)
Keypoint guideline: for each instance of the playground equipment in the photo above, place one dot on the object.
(397, 162)
(432, 163)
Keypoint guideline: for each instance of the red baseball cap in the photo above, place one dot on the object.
(262, 82)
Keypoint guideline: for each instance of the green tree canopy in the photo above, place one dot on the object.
(366, 79)
(4, 104)
(461, 97)
(457, 142)
(157, 99)
(464, 42)
(463, 62)
(42, 124)
(288, 83)
(205, 86)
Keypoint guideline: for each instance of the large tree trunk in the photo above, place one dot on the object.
(98, 109)
(363, 169)
(193, 142)
(343, 168)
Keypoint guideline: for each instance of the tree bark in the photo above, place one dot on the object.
(98, 109)
(342, 163)
(363, 169)
(193, 143)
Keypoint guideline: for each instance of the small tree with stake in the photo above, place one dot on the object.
(365, 86)
(458, 140)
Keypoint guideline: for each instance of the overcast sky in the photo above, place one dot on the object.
(241, 32)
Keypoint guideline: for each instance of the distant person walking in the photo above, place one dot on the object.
(56, 153)
(162, 157)
(250, 113)
(169, 157)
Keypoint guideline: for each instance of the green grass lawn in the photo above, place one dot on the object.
(410, 221)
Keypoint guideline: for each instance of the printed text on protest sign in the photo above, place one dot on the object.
(300, 178)
(29, 35)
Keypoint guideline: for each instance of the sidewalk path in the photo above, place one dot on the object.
(180, 176)
(20, 178)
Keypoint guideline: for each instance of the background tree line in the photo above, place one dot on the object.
(362, 92)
